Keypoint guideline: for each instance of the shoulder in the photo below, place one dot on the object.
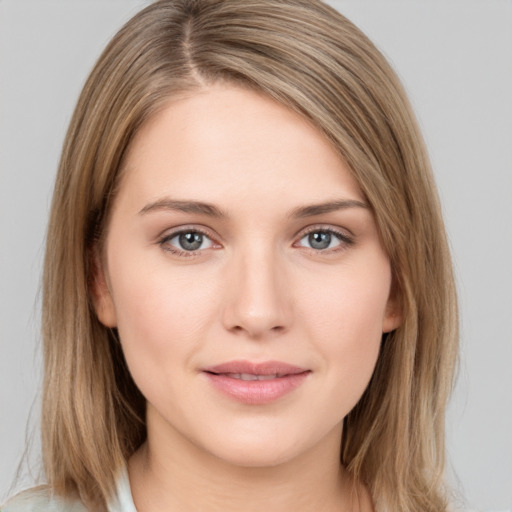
(39, 499)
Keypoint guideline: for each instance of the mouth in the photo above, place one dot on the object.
(251, 376)
(256, 383)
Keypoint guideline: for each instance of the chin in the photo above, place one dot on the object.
(266, 447)
(258, 456)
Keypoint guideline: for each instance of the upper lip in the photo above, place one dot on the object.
(264, 368)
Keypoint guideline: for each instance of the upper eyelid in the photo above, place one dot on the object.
(337, 230)
(345, 239)
(164, 239)
(170, 233)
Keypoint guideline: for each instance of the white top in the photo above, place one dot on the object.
(38, 500)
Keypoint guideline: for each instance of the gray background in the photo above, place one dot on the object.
(455, 58)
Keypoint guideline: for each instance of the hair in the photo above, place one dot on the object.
(308, 57)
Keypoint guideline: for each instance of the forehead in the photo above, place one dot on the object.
(225, 141)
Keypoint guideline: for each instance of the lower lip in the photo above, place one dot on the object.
(257, 392)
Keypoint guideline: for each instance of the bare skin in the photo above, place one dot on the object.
(303, 484)
(238, 234)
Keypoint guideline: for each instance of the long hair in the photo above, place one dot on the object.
(308, 57)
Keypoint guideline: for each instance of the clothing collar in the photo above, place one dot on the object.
(122, 500)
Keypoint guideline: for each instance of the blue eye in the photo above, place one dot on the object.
(188, 241)
(323, 239)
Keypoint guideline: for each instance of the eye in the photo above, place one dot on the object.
(186, 241)
(322, 239)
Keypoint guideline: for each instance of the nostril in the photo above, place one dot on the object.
(257, 332)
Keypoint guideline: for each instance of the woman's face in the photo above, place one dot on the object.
(245, 275)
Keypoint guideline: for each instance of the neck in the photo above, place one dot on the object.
(181, 476)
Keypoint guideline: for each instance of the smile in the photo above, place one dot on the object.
(255, 383)
(252, 376)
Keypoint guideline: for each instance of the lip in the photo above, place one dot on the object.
(279, 379)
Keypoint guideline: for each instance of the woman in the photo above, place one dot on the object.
(247, 286)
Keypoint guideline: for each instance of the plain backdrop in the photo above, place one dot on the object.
(455, 58)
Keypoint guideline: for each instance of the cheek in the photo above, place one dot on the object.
(162, 316)
(351, 301)
(345, 320)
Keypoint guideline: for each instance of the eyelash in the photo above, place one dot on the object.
(345, 240)
(164, 241)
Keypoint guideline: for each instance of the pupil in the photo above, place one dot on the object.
(319, 240)
(191, 241)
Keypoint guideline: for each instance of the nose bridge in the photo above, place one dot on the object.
(257, 300)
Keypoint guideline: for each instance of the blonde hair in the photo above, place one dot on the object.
(310, 58)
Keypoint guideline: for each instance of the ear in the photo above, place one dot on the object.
(100, 291)
(393, 314)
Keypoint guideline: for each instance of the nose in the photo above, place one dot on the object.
(257, 295)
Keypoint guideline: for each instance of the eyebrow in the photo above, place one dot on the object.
(184, 206)
(323, 208)
(211, 210)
